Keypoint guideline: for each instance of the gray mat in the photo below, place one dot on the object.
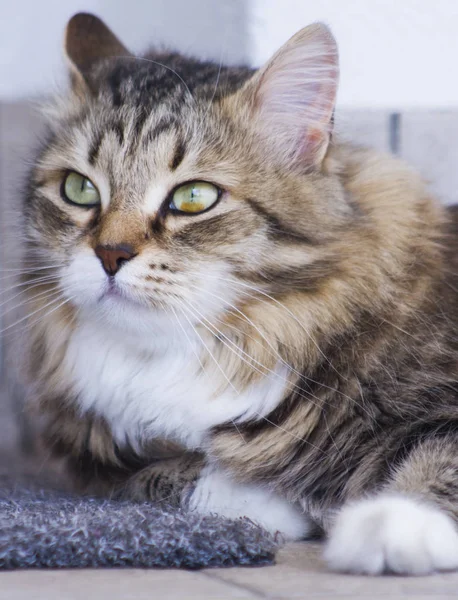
(48, 529)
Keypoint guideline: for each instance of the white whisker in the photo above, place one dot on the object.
(302, 376)
(211, 355)
(28, 285)
(262, 370)
(26, 300)
(261, 416)
(26, 317)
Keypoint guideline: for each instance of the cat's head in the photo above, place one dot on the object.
(169, 184)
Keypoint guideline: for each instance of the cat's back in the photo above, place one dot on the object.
(452, 214)
(449, 281)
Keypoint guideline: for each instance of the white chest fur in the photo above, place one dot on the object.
(158, 389)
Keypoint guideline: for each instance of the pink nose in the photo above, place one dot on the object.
(113, 257)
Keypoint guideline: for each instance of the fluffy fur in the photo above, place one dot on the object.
(290, 350)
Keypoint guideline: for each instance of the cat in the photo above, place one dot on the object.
(234, 312)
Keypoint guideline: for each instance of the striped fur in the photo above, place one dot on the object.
(300, 336)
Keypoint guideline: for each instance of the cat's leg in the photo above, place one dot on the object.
(188, 483)
(410, 527)
(168, 481)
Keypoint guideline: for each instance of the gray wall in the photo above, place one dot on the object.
(31, 34)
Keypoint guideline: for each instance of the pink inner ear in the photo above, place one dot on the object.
(312, 142)
(296, 95)
(318, 134)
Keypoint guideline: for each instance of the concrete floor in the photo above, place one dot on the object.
(299, 573)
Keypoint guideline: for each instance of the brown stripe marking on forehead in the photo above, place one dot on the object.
(94, 149)
(142, 115)
(119, 131)
(180, 152)
(165, 124)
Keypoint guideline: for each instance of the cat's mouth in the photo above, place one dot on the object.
(121, 296)
(114, 292)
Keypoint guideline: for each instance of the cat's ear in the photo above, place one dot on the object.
(87, 41)
(292, 98)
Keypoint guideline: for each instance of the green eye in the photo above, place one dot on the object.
(195, 197)
(80, 190)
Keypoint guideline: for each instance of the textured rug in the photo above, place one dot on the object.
(48, 529)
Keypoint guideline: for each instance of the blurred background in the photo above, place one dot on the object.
(398, 92)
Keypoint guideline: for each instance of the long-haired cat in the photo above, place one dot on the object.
(215, 271)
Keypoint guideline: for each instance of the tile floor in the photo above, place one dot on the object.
(299, 573)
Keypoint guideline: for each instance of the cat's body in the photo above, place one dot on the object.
(297, 337)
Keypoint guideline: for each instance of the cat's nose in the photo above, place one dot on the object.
(113, 257)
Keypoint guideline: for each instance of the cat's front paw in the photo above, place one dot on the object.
(217, 493)
(392, 534)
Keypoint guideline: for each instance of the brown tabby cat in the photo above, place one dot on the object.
(215, 271)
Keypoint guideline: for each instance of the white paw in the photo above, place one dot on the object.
(392, 534)
(216, 493)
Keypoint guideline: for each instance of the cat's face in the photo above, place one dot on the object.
(142, 244)
(184, 189)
